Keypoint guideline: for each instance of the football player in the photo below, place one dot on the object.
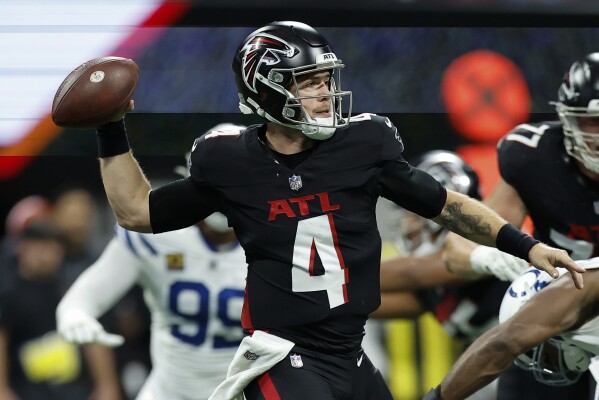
(300, 191)
(554, 154)
(419, 281)
(193, 281)
(556, 344)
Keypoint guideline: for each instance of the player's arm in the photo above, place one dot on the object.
(398, 305)
(135, 205)
(96, 290)
(532, 325)
(460, 254)
(102, 367)
(5, 390)
(416, 272)
(474, 221)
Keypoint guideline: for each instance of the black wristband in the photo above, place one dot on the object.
(515, 242)
(112, 139)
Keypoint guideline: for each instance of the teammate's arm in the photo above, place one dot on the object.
(532, 325)
(399, 305)
(416, 272)
(473, 220)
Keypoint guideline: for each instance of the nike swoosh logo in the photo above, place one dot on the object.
(360, 360)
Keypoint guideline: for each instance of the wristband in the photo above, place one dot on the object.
(515, 242)
(112, 139)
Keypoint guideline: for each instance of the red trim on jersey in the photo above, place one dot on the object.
(312, 255)
(267, 387)
(445, 308)
(246, 320)
(339, 256)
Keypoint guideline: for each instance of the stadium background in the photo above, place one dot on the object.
(451, 75)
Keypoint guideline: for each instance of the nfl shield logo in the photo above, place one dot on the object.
(296, 361)
(295, 182)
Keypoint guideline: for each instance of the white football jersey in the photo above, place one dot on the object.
(195, 294)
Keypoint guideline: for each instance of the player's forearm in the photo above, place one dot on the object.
(470, 218)
(482, 362)
(4, 377)
(102, 366)
(128, 191)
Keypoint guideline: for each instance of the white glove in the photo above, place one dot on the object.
(78, 327)
(489, 260)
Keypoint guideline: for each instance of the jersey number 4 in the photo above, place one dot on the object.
(318, 236)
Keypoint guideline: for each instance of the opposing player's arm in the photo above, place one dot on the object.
(533, 324)
(5, 390)
(474, 221)
(94, 292)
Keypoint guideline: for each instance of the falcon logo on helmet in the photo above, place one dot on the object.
(259, 49)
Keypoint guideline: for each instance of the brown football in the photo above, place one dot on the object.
(94, 92)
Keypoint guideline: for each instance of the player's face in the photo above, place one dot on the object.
(590, 125)
(316, 84)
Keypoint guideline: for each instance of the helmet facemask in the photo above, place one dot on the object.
(555, 363)
(295, 115)
(268, 66)
(581, 145)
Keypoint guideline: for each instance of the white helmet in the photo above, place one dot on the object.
(555, 362)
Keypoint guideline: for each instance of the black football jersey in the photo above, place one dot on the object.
(562, 203)
(310, 233)
(466, 311)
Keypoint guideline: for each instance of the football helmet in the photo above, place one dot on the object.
(578, 97)
(454, 174)
(555, 362)
(268, 64)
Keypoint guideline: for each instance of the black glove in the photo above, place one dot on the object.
(433, 394)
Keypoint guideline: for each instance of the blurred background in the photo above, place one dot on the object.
(454, 75)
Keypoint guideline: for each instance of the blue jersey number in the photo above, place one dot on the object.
(201, 317)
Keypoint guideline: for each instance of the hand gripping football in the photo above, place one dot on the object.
(95, 92)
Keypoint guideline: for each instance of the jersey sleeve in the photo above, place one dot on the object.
(392, 145)
(107, 280)
(181, 204)
(412, 188)
(515, 151)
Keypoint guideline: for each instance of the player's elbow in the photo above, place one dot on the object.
(135, 220)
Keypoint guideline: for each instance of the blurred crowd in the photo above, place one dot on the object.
(48, 243)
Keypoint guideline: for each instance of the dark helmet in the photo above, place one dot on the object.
(578, 97)
(268, 63)
(451, 171)
(454, 174)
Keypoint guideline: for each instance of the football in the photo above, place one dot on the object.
(94, 92)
